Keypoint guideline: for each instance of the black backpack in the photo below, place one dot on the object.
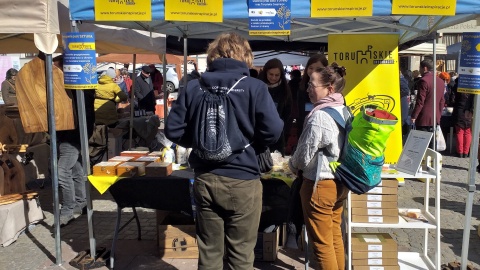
(217, 137)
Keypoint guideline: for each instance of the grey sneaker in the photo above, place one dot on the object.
(65, 219)
(79, 210)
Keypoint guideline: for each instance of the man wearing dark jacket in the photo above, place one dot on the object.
(228, 195)
(422, 115)
(144, 90)
(70, 171)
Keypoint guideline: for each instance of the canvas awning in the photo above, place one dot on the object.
(425, 49)
(141, 58)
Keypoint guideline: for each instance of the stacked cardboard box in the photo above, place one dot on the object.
(379, 205)
(176, 235)
(372, 251)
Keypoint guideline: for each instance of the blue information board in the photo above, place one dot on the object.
(469, 71)
(269, 17)
(79, 60)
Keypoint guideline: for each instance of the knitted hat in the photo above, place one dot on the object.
(444, 76)
(111, 73)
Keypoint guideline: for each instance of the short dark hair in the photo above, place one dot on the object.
(428, 63)
(253, 73)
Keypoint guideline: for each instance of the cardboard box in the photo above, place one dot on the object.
(366, 267)
(374, 204)
(376, 262)
(392, 212)
(106, 168)
(358, 255)
(375, 219)
(158, 169)
(388, 183)
(373, 242)
(177, 241)
(383, 190)
(267, 245)
(375, 197)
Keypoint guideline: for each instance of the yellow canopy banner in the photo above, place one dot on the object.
(415, 7)
(194, 10)
(123, 10)
(344, 8)
(372, 78)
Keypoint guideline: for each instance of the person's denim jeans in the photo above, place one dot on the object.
(228, 216)
(322, 209)
(70, 181)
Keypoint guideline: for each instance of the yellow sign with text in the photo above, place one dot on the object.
(344, 8)
(123, 10)
(415, 7)
(194, 10)
(372, 77)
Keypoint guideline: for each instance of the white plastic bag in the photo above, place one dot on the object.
(440, 140)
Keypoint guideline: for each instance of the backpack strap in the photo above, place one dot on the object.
(337, 117)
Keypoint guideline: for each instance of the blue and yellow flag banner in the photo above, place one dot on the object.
(344, 8)
(79, 61)
(415, 7)
(194, 10)
(469, 71)
(372, 77)
(123, 10)
(269, 17)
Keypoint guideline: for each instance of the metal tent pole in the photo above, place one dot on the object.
(435, 92)
(132, 102)
(53, 155)
(471, 182)
(85, 153)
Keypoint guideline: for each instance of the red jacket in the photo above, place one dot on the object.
(423, 111)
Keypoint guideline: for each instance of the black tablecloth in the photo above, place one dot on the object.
(172, 193)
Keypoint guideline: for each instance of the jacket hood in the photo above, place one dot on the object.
(105, 80)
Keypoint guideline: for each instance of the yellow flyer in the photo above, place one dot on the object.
(344, 8)
(194, 10)
(123, 10)
(372, 77)
(415, 7)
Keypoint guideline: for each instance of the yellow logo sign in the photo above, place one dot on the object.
(80, 46)
(369, 59)
(123, 10)
(415, 7)
(343, 8)
(194, 10)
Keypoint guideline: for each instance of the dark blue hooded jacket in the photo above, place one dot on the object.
(255, 111)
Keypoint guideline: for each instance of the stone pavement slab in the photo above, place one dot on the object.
(35, 249)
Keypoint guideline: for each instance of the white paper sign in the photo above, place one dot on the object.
(413, 151)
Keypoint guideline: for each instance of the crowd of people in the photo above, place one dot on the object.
(271, 111)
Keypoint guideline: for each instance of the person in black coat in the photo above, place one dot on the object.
(462, 120)
(144, 90)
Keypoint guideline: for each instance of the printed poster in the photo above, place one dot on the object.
(79, 60)
(415, 7)
(372, 77)
(469, 71)
(344, 8)
(194, 10)
(269, 17)
(123, 10)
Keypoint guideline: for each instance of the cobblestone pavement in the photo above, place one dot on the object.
(35, 249)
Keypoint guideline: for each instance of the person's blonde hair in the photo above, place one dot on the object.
(230, 45)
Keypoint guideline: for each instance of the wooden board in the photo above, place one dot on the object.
(32, 98)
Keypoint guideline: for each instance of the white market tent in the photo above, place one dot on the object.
(304, 29)
(30, 26)
(424, 49)
(287, 58)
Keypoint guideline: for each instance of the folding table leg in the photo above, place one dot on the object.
(115, 236)
(138, 223)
